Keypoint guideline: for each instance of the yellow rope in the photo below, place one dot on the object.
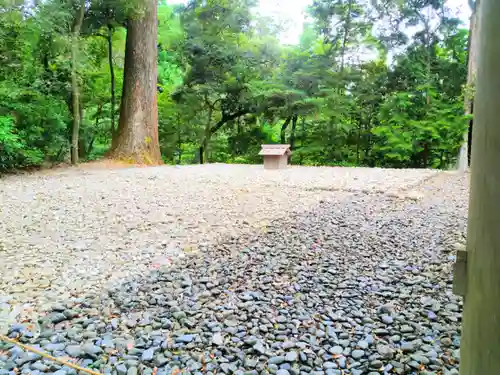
(48, 356)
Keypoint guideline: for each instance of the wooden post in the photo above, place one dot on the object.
(480, 351)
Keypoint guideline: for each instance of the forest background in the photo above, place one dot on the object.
(357, 89)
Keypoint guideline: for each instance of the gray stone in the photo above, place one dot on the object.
(385, 351)
(217, 339)
(336, 350)
(408, 347)
(387, 319)
(420, 359)
(363, 344)
(276, 360)
(395, 338)
(328, 365)
(57, 317)
(55, 347)
(160, 360)
(259, 348)
(91, 349)
(185, 338)
(179, 315)
(357, 354)
(148, 354)
(39, 366)
(75, 351)
(273, 368)
(406, 329)
(121, 369)
(231, 322)
(381, 332)
(250, 362)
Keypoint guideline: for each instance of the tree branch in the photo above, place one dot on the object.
(226, 118)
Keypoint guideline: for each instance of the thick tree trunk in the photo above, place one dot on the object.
(480, 349)
(112, 78)
(474, 34)
(137, 136)
(75, 91)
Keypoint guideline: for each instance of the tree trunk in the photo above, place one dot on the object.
(302, 138)
(480, 349)
(85, 149)
(82, 146)
(179, 143)
(75, 91)
(137, 137)
(292, 133)
(206, 137)
(347, 29)
(283, 130)
(474, 34)
(425, 155)
(112, 78)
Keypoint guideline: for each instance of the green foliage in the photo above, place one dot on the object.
(226, 84)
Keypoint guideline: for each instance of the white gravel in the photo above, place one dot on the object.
(76, 230)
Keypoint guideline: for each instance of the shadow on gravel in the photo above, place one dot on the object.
(357, 288)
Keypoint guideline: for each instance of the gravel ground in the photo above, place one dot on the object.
(315, 279)
(79, 229)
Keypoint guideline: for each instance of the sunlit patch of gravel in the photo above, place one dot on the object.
(78, 229)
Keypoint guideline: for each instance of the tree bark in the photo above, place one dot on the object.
(75, 91)
(474, 34)
(283, 130)
(206, 137)
(212, 130)
(302, 138)
(179, 141)
(292, 133)
(347, 29)
(137, 137)
(82, 146)
(112, 78)
(480, 349)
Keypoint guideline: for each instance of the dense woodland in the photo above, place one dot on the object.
(370, 83)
